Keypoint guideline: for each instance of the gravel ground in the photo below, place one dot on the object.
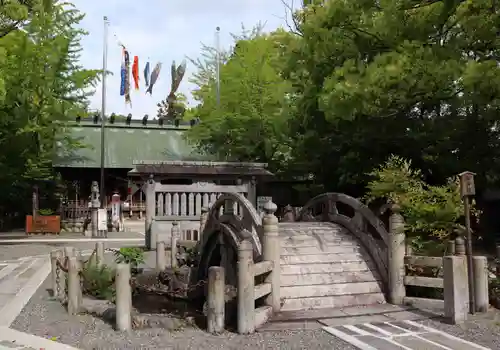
(483, 329)
(46, 318)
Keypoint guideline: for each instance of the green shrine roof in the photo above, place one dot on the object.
(126, 144)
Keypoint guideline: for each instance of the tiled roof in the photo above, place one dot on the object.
(126, 144)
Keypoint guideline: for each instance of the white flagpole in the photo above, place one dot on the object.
(217, 67)
(103, 108)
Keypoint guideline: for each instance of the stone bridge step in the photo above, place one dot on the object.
(324, 266)
(330, 290)
(311, 279)
(323, 257)
(293, 304)
(305, 250)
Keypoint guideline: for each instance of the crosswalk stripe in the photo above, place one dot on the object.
(402, 338)
(449, 336)
(7, 270)
(349, 339)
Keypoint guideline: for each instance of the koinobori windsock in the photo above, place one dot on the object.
(154, 77)
(147, 74)
(122, 75)
(135, 72)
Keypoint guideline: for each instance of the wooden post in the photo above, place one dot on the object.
(216, 300)
(150, 213)
(123, 298)
(480, 267)
(397, 290)
(173, 243)
(74, 287)
(272, 252)
(56, 255)
(161, 262)
(246, 288)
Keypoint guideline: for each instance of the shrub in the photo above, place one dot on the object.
(132, 255)
(430, 212)
(98, 281)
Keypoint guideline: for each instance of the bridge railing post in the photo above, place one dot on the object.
(246, 288)
(272, 252)
(396, 262)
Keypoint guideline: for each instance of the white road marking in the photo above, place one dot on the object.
(449, 336)
(8, 269)
(394, 338)
(349, 339)
(10, 311)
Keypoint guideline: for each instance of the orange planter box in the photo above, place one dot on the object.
(43, 224)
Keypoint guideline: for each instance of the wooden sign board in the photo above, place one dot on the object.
(43, 224)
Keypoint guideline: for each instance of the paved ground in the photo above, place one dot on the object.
(25, 267)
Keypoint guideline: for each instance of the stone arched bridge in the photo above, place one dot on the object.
(334, 253)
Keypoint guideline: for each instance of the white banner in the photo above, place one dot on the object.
(102, 220)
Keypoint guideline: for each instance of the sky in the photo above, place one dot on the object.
(163, 30)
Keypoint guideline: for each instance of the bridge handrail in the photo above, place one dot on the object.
(251, 222)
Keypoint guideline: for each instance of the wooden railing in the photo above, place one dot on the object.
(185, 202)
(266, 272)
(420, 264)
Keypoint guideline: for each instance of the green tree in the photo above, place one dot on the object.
(418, 79)
(46, 86)
(250, 123)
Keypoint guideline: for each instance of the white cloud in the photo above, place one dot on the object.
(163, 30)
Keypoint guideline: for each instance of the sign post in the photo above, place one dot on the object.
(467, 190)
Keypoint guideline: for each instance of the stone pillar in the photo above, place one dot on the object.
(150, 213)
(55, 256)
(94, 206)
(451, 247)
(271, 246)
(396, 257)
(123, 298)
(480, 269)
(74, 287)
(459, 246)
(456, 289)
(216, 300)
(246, 288)
(69, 252)
(173, 243)
(161, 261)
